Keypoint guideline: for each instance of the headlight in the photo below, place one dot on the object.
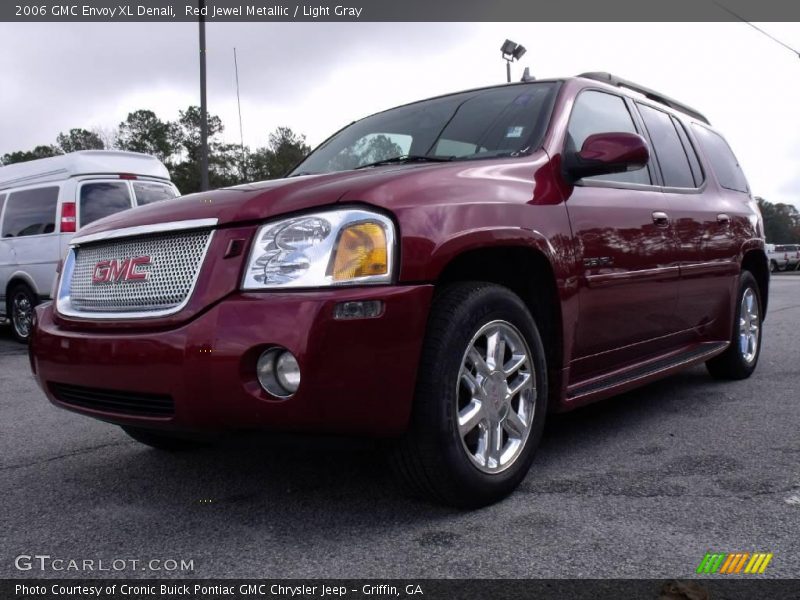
(338, 247)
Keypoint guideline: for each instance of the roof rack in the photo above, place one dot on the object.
(647, 92)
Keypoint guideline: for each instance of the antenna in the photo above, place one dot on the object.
(239, 105)
(526, 75)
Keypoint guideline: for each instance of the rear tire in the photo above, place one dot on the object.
(480, 400)
(163, 441)
(740, 359)
(21, 304)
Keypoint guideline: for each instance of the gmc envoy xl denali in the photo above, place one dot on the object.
(443, 273)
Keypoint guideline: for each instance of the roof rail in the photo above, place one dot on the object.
(647, 92)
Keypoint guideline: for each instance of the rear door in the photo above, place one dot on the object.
(627, 251)
(99, 198)
(29, 235)
(716, 222)
(147, 191)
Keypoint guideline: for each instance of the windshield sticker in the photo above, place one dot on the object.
(515, 131)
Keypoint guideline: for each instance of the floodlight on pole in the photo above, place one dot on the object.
(511, 51)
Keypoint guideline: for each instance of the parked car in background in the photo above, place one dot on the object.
(44, 202)
(442, 273)
(783, 257)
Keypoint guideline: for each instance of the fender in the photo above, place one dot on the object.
(489, 237)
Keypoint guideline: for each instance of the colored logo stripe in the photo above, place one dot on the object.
(731, 563)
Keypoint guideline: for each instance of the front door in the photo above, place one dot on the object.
(626, 251)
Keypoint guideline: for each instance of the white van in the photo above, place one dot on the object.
(44, 202)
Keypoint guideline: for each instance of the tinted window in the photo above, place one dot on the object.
(598, 112)
(722, 160)
(102, 199)
(672, 157)
(502, 121)
(147, 192)
(31, 212)
(694, 162)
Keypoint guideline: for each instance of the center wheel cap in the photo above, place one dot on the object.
(496, 390)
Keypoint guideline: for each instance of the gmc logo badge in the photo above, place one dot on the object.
(110, 271)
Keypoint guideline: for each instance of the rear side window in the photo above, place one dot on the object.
(2, 202)
(694, 162)
(31, 212)
(598, 112)
(672, 157)
(147, 192)
(722, 159)
(101, 199)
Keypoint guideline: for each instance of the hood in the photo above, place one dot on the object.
(382, 186)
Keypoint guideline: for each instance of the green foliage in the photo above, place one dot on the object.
(79, 139)
(781, 222)
(284, 150)
(142, 131)
(25, 155)
(177, 145)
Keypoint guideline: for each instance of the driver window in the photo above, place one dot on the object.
(599, 112)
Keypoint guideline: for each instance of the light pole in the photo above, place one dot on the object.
(511, 51)
(203, 105)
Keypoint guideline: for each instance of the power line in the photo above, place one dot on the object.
(746, 22)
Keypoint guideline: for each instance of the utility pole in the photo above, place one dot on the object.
(239, 105)
(203, 104)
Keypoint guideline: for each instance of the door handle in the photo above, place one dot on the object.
(723, 219)
(661, 219)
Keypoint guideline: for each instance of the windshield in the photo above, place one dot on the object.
(504, 121)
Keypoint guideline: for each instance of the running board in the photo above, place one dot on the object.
(663, 366)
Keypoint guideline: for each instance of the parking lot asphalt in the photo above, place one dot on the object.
(641, 485)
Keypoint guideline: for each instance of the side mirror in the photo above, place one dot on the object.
(604, 153)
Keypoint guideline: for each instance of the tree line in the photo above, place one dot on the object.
(177, 144)
(781, 222)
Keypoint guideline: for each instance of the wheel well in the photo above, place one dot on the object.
(14, 282)
(528, 274)
(755, 261)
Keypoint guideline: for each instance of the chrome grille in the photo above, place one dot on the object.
(175, 261)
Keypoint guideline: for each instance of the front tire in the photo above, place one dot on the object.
(21, 303)
(740, 359)
(480, 401)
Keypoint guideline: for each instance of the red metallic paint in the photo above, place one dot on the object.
(664, 288)
(357, 376)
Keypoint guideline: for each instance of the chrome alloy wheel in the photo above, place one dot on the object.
(496, 397)
(22, 314)
(749, 326)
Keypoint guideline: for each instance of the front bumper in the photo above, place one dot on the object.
(358, 375)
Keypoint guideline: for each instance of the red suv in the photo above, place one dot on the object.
(443, 273)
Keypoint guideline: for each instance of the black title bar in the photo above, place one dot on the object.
(399, 10)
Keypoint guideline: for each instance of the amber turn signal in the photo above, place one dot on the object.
(361, 252)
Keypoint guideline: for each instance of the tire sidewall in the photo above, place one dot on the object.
(488, 304)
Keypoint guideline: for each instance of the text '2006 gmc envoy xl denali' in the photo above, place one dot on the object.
(443, 273)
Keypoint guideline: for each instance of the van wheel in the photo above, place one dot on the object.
(773, 266)
(21, 303)
(740, 359)
(163, 441)
(480, 400)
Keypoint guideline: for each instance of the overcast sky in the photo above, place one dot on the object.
(317, 77)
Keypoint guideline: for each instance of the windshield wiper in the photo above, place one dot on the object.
(407, 158)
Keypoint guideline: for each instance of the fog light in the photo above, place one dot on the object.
(365, 309)
(278, 372)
